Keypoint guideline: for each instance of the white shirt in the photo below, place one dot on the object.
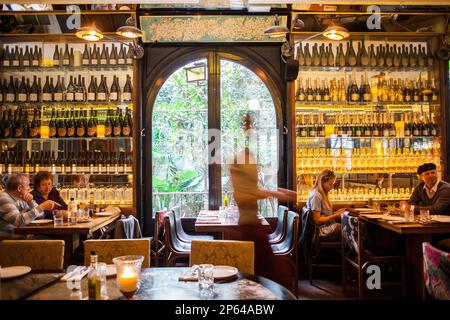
(431, 192)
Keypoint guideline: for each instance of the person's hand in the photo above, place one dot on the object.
(27, 197)
(49, 205)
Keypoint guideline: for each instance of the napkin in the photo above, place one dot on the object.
(76, 274)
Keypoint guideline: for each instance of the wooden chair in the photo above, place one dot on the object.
(436, 272)
(159, 246)
(355, 255)
(239, 254)
(312, 245)
(288, 247)
(108, 249)
(280, 232)
(39, 255)
(181, 234)
(175, 248)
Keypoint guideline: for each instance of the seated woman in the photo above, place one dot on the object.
(320, 205)
(43, 190)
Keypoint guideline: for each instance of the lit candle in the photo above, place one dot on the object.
(45, 131)
(128, 280)
(100, 130)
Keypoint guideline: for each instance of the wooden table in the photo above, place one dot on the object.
(163, 284)
(415, 234)
(227, 226)
(24, 287)
(69, 233)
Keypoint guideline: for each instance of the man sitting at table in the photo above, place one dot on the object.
(431, 194)
(17, 207)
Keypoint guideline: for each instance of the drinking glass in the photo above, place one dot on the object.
(206, 280)
(128, 274)
(409, 214)
(58, 218)
(424, 214)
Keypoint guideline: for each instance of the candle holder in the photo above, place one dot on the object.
(128, 274)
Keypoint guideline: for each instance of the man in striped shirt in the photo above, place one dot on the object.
(17, 207)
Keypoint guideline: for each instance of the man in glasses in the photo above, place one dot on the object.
(431, 194)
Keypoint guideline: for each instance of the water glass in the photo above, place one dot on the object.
(101, 267)
(58, 217)
(424, 214)
(72, 218)
(409, 214)
(206, 281)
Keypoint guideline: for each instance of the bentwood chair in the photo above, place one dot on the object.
(356, 255)
(174, 247)
(288, 247)
(39, 255)
(108, 249)
(158, 225)
(280, 232)
(239, 254)
(181, 234)
(436, 272)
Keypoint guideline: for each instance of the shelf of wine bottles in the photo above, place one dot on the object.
(65, 124)
(361, 194)
(104, 194)
(377, 55)
(106, 56)
(367, 125)
(25, 91)
(66, 163)
(364, 160)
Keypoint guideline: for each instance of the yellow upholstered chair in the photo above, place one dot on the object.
(239, 254)
(108, 249)
(39, 255)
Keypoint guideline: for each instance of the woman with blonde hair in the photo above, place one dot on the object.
(319, 203)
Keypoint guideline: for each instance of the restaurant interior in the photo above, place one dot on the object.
(225, 150)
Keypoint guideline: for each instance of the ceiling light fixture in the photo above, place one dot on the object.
(276, 30)
(90, 33)
(130, 32)
(334, 32)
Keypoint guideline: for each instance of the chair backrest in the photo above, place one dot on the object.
(351, 235)
(239, 254)
(436, 269)
(127, 228)
(39, 255)
(178, 226)
(172, 242)
(309, 237)
(108, 249)
(292, 222)
(281, 225)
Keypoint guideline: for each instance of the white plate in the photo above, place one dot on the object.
(41, 221)
(441, 218)
(224, 272)
(14, 272)
(366, 210)
(104, 214)
(84, 220)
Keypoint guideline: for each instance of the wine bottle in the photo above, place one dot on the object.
(354, 92)
(8, 126)
(104, 55)
(79, 91)
(66, 57)
(56, 57)
(47, 91)
(389, 57)
(372, 56)
(85, 60)
(113, 56)
(94, 56)
(330, 55)
(411, 56)
(317, 91)
(114, 94)
(15, 60)
(71, 58)
(434, 92)
(121, 60)
(108, 124)
(61, 126)
(315, 56)
(396, 57)
(117, 126)
(22, 94)
(127, 90)
(352, 61)
(70, 124)
(364, 57)
(35, 61)
(34, 91)
(52, 125)
(70, 92)
(381, 62)
(26, 57)
(6, 58)
(407, 93)
(416, 92)
(21, 57)
(102, 90)
(130, 55)
(341, 57)
(58, 90)
(300, 55)
(429, 56)
(91, 127)
(404, 56)
(308, 58)
(11, 91)
(92, 90)
(81, 129)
